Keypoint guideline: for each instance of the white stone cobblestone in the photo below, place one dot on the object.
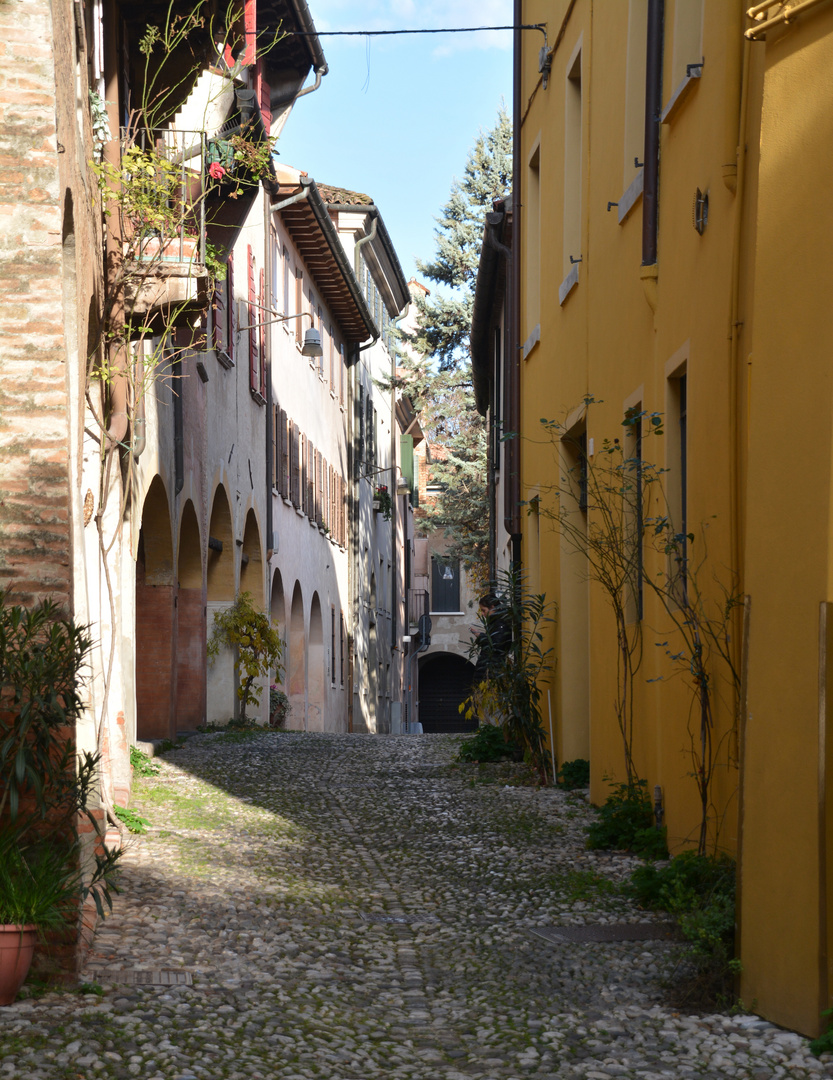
(349, 907)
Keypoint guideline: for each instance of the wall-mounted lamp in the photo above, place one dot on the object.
(312, 338)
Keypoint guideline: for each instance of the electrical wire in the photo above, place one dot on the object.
(388, 33)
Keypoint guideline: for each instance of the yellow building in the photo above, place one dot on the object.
(672, 225)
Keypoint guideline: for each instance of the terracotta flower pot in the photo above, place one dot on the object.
(17, 946)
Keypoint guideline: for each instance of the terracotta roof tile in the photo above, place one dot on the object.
(337, 195)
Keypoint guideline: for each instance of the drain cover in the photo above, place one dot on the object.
(407, 920)
(143, 978)
(558, 935)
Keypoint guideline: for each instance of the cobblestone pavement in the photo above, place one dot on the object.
(349, 907)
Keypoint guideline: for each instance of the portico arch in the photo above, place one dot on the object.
(156, 631)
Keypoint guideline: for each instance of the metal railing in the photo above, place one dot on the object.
(162, 202)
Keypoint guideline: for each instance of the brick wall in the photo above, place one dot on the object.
(34, 498)
(190, 659)
(155, 668)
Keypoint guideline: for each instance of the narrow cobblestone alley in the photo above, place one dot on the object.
(351, 907)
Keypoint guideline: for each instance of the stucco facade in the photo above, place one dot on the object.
(662, 271)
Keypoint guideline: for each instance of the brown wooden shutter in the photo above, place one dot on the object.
(232, 312)
(262, 336)
(254, 336)
(276, 444)
(285, 470)
(220, 308)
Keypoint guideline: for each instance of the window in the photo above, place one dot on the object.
(299, 305)
(632, 520)
(635, 88)
(677, 483)
(287, 296)
(445, 584)
(223, 312)
(342, 374)
(688, 39)
(332, 645)
(341, 649)
(572, 163)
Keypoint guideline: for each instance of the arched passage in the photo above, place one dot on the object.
(220, 562)
(296, 666)
(372, 662)
(251, 566)
(277, 613)
(444, 681)
(155, 620)
(221, 698)
(190, 625)
(316, 678)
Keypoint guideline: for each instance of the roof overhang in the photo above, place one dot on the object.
(489, 297)
(308, 222)
(381, 255)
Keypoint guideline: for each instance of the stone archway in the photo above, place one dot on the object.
(221, 696)
(296, 674)
(251, 562)
(191, 625)
(444, 681)
(277, 613)
(316, 675)
(156, 631)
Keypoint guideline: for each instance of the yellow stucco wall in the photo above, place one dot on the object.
(759, 430)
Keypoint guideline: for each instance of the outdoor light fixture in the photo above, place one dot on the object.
(312, 338)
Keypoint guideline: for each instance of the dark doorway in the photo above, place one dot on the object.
(444, 681)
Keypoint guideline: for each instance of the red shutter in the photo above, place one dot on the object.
(250, 31)
(254, 335)
(262, 335)
(220, 309)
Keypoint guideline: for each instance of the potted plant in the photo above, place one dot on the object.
(382, 501)
(39, 891)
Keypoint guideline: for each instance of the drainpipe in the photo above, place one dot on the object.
(118, 421)
(319, 72)
(299, 196)
(512, 496)
(650, 190)
(266, 360)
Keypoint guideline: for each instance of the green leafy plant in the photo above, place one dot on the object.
(256, 643)
(514, 668)
(824, 1043)
(699, 890)
(131, 819)
(488, 744)
(626, 823)
(39, 888)
(278, 706)
(574, 774)
(142, 764)
(382, 496)
(45, 787)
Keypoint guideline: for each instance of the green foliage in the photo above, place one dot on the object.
(142, 764)
(699, 890)
(574, 774)
(278, 706)
(382, 496)
(626, 823)
(44, 786)
(514, 671)
(132, 821)
(488, 744)
(256, 643)
(40, 888)
(824, 1043)
(438, 379)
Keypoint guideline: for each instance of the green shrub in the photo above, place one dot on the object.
(699, 890)
(142, 764)
(626, 823)
(488, 744)
(132, 821)
(824, 1043)
(574, 774)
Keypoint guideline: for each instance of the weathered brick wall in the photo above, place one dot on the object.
(48, 271)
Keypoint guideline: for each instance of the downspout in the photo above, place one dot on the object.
(299, 196)
(512, 497)
(118, 420)
(394, 484)
(319, 73)
(650, 190)
(267, 363)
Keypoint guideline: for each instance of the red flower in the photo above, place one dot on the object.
(216, 170)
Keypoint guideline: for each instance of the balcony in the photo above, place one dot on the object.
(161, 203)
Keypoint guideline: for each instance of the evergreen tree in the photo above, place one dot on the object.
(439, 379)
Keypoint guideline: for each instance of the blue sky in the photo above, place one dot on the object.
(396, 117)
